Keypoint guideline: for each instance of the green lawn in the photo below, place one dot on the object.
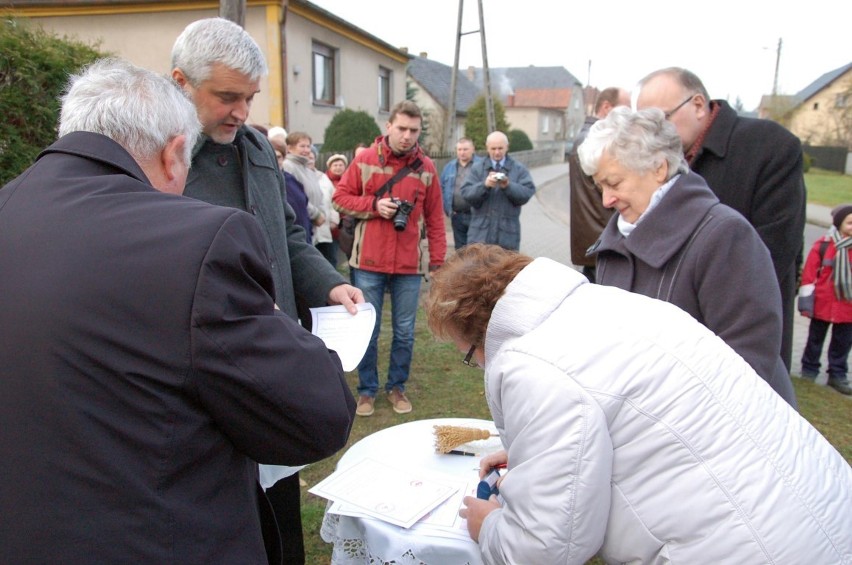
(828, 188)
(441, 386)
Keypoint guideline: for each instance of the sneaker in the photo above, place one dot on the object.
(397, 398)
(365, 405)
(840, 386)
(808, 375)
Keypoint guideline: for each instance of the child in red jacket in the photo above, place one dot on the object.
(828, 270)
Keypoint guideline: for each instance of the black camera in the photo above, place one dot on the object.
(404, 208)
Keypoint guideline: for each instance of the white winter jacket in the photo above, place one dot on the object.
(633, 430)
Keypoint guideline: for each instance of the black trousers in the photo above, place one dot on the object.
(285, 498)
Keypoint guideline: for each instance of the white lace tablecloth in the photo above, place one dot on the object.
(371, 541)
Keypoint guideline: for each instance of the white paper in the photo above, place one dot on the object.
(345, 334)
(393, 495)
(443, 521)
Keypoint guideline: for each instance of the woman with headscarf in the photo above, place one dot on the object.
(672, 239)
(629, 429)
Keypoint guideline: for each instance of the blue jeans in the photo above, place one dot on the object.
(838, 350)
(461, 223)
(405, 295)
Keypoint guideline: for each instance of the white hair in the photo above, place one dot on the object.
(207, 42)
(138, 109)
(639, 141)
(277, 131)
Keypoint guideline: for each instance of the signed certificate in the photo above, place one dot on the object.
(380, 491)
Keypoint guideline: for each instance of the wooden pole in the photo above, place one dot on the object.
(234, 10)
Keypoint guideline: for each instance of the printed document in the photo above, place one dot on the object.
(393, 495)
(343, 333)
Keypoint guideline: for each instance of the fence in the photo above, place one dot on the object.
(828, 158)
(530, 159)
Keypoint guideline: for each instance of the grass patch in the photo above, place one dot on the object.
(440, 386)
(828, 188)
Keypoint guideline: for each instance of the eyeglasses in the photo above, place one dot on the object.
(671, 112)
(468, 359)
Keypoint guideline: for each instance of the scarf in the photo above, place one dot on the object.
(692, 154)
(333, 178)
(842, 266)
(626, 228)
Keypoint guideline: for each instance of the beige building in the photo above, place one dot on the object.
(318, 63)
(823, 115)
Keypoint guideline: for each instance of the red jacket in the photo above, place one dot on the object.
(378, 246)
(827, 306)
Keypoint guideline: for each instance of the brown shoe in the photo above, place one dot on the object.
(399, 401)
(365, 405)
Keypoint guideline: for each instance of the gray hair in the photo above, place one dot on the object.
(138, 109)
(204, 43)
(639, 141)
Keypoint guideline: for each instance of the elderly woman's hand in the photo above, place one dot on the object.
(492, 460)
(475, 510)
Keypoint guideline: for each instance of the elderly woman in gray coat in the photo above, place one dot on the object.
(673, 240)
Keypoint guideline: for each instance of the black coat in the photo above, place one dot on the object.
(144, 369)
(755, 167)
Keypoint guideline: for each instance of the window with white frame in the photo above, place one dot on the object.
(324, 59)
(384, 89)
(545, 123)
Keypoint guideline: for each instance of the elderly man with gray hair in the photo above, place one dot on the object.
(672, 239)
(221, 66)
(145, 367)
(496, 188)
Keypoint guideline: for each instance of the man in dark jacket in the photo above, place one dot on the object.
(220, 66)
(753, 166)
(496, 188)
(145, 368)
(452, 179)
(588, 215)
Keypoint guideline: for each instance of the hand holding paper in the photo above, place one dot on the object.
(344, 333)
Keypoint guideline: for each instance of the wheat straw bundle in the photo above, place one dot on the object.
(450, 437)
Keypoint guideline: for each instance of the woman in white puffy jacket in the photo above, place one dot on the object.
(630, 430)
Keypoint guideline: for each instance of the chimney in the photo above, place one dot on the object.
(471, 73)
(404, 50)
(424, 54)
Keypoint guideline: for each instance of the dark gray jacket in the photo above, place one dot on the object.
(298, 269)
(495, 213)
(704, 257)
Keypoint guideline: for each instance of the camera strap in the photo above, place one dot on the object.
(413, 166)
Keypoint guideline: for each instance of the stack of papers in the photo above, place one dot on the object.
(400, 497)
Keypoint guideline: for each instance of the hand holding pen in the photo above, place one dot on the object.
(496, 460)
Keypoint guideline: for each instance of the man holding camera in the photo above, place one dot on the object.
(496, 188)
(391, 188)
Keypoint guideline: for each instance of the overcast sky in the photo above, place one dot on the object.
(731, 45)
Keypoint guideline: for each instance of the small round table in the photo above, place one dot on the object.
(360, 540)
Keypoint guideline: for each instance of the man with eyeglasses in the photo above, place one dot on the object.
(754, 166)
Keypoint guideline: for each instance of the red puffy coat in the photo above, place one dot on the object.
(827, 306)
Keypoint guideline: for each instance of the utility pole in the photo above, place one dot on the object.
(234, 10)
(486, 80)
(486, 75)
(777, 64)
(449, 135)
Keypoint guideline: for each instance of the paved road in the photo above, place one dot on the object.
(544, 233)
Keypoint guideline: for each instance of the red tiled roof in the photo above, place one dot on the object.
(540, 98)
